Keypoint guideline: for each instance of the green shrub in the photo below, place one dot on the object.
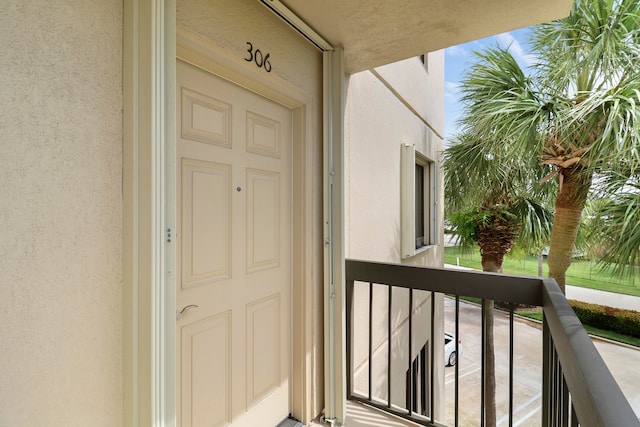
(626, 322)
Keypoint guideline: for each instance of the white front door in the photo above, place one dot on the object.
(234, 253)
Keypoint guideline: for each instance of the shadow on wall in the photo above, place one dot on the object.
(380, 347)
(395, 252)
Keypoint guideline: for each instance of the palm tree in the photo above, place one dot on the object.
(489, 191)
(578, 112)
(495, 203)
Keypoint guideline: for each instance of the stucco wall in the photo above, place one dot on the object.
(60, 184)
(421, 91)
(396, 104)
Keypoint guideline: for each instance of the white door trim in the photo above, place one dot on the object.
(334, 255)
(148, 318)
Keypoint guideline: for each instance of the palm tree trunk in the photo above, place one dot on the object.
(495, 238)
(569, 205)
(540, 264)
(490, 416)
(492, 264)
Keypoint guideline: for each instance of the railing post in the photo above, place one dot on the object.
(457, 367)
(511, 338)
(411, 381)
(432, 357)
(349, 335)
(546, 373)
(483, 365)
(370, 368)
(389, 337)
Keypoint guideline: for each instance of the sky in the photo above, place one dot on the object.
(458, 58)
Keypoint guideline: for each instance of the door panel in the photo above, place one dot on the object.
(234, 257)
(205, 119)
(206, 360)
(263, 225)
(206, 238)
(263, 360)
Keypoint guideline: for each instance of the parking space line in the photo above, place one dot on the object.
(464, 370)
(520, 408)
(461, 376)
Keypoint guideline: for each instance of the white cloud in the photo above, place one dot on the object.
(507, 41)
(457, 51)
(451, 90)
(451, 86)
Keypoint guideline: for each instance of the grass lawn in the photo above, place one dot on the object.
(580, 273)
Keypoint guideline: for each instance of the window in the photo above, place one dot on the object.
(419, 199)
(425, 61)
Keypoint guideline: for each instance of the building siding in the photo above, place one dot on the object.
(396, 104)
(383, 112)
(60, 183)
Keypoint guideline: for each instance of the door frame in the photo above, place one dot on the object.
(152, 42)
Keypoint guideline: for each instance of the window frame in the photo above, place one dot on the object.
(410, 159)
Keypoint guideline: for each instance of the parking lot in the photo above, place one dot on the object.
(527, 366)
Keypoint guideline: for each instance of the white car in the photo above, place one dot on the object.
(450, 355)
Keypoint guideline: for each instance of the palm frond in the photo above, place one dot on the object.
(500, 103)
(619, 229)
(536, 218)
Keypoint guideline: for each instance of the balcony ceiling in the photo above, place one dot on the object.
(377, 32)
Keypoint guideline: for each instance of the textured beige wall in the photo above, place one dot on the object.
(395, 104)
(391, 105)
(60, 184)
(422, 92)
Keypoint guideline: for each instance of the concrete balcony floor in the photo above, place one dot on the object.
(359, 415)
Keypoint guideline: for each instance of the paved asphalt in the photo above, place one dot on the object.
(623, 362)
(609, 299)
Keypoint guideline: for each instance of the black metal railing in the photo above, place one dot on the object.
(394, 346)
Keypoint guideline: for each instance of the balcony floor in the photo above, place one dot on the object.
(359, 415)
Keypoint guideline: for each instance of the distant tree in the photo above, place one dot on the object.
(489, 189)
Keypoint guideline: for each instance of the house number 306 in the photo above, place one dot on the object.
(261, 60)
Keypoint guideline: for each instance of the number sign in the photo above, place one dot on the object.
(260, 59)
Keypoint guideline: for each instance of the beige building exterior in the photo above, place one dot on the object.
(390, 110)
(61, 183)
(119, 191)
(388, 107)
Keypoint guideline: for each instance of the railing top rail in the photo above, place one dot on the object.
(498, 287)
(595, 394)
